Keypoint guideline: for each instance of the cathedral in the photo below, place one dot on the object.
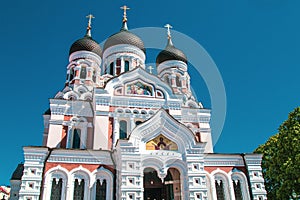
(118, 131)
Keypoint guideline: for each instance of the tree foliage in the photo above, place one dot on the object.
(281, 160)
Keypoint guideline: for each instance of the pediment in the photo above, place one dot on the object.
(163, 128)
(139, 83)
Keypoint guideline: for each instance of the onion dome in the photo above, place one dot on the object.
(124, 36)
(170, 52)
(86, 43)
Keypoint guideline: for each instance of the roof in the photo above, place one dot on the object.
(18, 173)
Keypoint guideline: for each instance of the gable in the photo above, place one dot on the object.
(163, 128)
(139, 83)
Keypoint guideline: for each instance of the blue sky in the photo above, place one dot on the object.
(254, 43)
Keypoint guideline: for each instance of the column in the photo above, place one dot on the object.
(70, 189)
(69, 137)
(132, 123)
(173, 80)
(122, 64)
(116, 132)
(83, 135)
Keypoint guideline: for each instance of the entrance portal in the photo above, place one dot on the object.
(155, 189)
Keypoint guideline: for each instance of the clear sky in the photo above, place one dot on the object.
(254, 43)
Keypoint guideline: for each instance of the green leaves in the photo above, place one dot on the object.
(281, 160)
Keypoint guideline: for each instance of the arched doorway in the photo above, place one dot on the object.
(155, 189)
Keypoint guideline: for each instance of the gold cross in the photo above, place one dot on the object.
(168, 26)
(125, 8)
(90, 17)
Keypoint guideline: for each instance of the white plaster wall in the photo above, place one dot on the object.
(206, 137)
(57, 117)
(101, 132)
(54, 135)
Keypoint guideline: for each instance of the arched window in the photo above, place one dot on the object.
(166, 78)
(71, 74)
(138, 122)
(237, 189)
(56, 189)
(76, 139)
(126, 67)
(111, 69)
(101, 190)
(220, 190)
(78, 189)
(178, 82)
(83, 72)
(123, 129)
(94, 76)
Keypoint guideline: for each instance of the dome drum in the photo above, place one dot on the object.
(171, 64)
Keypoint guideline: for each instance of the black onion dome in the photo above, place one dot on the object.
(170, 53)
(124, 37)
(86, 44)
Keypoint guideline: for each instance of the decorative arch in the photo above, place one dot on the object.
(221, 183)
(82, 89)
(87, 97)
(163, 124)
(162, 167)
(77, 133)
(71, 95)
(240, 180)
(55, 175)
(192, 104)
(102, 174)
(80, 175)
(209, 185)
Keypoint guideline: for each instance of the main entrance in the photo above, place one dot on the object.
(155, 189)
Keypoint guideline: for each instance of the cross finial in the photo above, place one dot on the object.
(168, 26)
(90, 17)
(150, 69)
(89, 27)
(125, 8)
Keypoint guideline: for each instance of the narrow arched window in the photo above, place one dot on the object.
(178, 82)
(111, 69)
(94, 76)
(56, 189)
(76, 139)
(101, 190)
(78, 189)
(166, 78)
(220, 190)
(237, 190)
(83, 72)
(71, 74)
(126, 66)
(123, 129)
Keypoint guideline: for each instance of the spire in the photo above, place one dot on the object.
(168, 26)
(89, 27)
(124, 25)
